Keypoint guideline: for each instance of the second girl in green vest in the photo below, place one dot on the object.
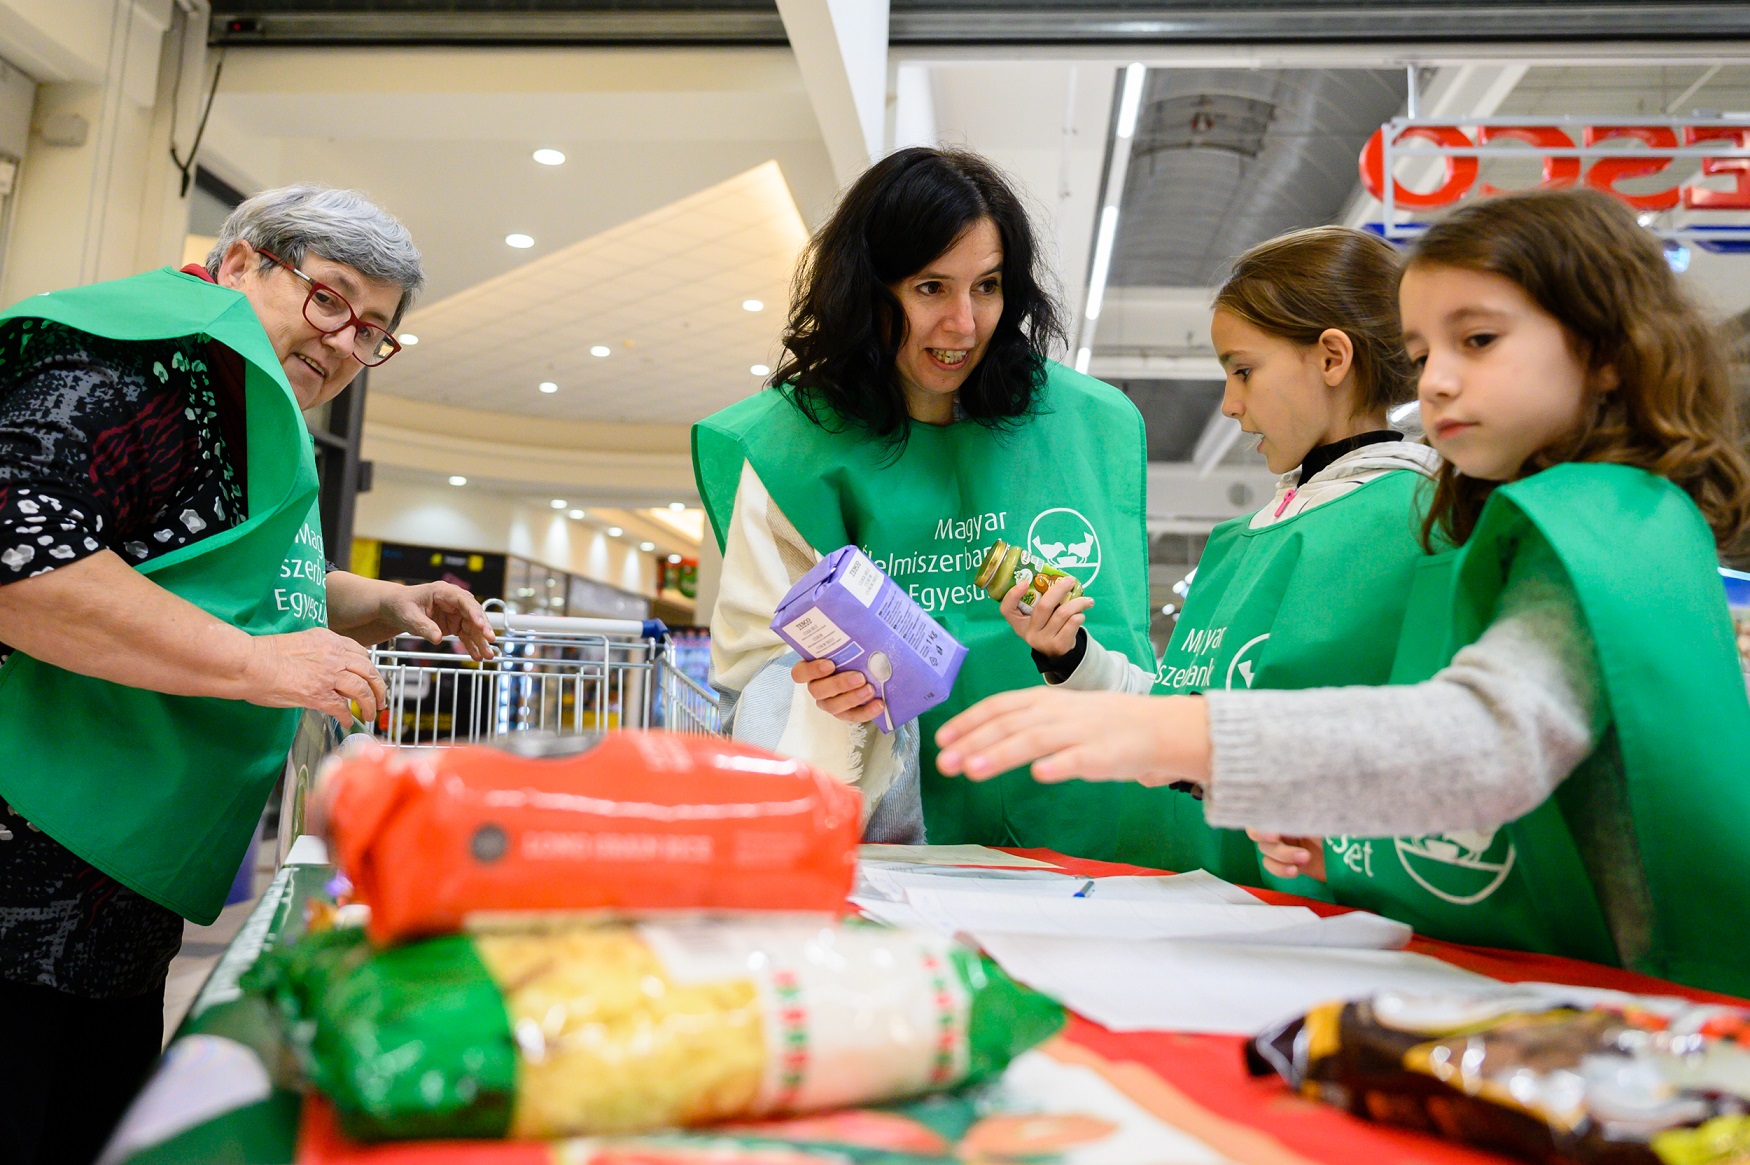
(1564, 762)
(1310, 590)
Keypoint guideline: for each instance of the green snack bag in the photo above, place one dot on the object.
(573, 1029)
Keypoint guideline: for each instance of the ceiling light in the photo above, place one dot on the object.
(549, 386)
(408, 339)
(458, 479)
(677, 507)
(575, 515)
(558, 503)
(647, 547)
(550, 157)
(752, 305)
(1083, 357)
(520, 242)
(1102, 261)
(600, 350)
(760, 370)
(615, 531)
(675, 559)
(1131, 103)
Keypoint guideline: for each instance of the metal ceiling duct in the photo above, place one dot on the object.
(961, 22)
(1225, 158)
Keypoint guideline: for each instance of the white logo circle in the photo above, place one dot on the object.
(1239, 663)
(1065, 538)
(1468, 863)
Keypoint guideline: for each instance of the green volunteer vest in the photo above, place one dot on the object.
(1313, 601)
(1675, 757)
(160, 792)
(1068, 484)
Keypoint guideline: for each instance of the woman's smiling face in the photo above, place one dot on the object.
(952, 307)
(317, 366)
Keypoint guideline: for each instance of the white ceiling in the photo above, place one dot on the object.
(663, 292)
(443, 138)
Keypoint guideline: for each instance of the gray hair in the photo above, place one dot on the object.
(340, 225)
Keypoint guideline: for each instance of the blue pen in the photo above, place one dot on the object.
(1085, 891)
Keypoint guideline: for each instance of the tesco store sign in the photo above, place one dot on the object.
(1573, 152)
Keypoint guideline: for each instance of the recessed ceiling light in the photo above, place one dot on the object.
(600, 350)
(647, 547)
(549, 386)
(408, 339)
(520, 242)
(558, 503)
(458, 479)
(675, 559)
(615, 531)
(677, 507)
(752, 305)
(576, 515)
(550, 157)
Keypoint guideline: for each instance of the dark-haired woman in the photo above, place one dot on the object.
(917, 416)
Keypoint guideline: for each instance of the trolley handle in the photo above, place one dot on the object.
(503, 620)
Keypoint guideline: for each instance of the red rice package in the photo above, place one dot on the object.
(641, 821)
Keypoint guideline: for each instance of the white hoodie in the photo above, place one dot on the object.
(1107, 671)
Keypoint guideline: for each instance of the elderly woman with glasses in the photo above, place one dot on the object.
(165, 611)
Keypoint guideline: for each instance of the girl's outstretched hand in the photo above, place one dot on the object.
(1094, 736)
(1290, 857)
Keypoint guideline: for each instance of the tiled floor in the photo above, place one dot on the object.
(201, 948)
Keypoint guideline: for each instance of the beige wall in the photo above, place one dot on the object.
(111, 205)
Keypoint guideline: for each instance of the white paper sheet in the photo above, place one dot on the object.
(946, 855)
(1221, 987)
(976, 912)
(891, 880)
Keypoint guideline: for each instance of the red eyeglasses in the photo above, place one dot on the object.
(329, 312)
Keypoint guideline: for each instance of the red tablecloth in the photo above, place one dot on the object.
(1196, 1082)
(1209, 1071)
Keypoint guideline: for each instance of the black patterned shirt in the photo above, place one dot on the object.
(138, 448)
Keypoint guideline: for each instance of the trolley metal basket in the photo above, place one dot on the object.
(551, 674)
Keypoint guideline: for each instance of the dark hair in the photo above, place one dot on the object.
(846, 326)
(1581, 256)
(1298, 285)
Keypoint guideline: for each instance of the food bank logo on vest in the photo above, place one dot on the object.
(1463, 867)
(1063, 538)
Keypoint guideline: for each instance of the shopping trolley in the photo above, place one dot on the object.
(552, 674)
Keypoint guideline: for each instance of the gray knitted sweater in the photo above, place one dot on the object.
(1483, 742)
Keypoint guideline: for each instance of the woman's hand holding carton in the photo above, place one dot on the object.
(847, 695)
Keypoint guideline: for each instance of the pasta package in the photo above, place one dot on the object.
(580, 1029)
(641, 821)
(1544, 1072)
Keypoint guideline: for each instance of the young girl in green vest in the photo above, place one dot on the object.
(1310, 590)
(1563, 761)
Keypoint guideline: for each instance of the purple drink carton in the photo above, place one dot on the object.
(848, 611)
